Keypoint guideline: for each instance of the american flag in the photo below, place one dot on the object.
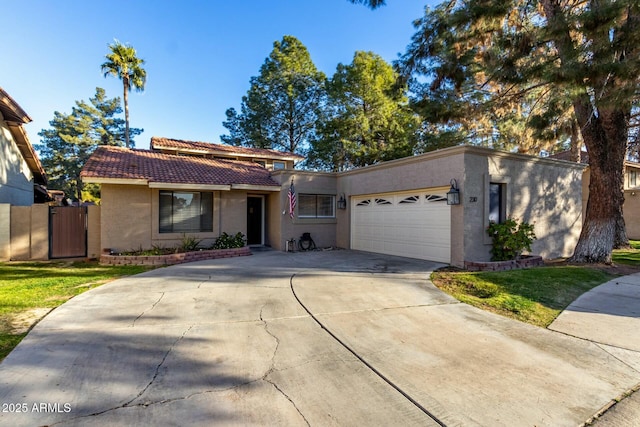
(292, 200)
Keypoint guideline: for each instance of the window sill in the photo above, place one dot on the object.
(316, 220)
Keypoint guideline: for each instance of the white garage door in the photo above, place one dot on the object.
(413, 224)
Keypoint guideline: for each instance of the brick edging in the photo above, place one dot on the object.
(172, 259)
(526, 262)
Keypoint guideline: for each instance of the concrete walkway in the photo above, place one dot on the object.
(322, 338)
(609, 316)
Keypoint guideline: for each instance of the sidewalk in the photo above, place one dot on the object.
(609, 315)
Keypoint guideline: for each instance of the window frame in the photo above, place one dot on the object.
(633, 178)
(317, 206)
(206, 216)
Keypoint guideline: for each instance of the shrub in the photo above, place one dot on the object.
(227, 241)
(510, 239)
(188, 244)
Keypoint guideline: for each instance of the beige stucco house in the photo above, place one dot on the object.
(631, 208)
(631, 187)
(154, 197)
(22, 183)
(21, 175)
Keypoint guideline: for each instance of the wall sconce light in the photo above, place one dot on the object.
(342, 203)
(453, 195)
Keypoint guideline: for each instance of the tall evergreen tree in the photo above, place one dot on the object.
(367, 118)
(584, 55)
(281, 106)
(72, 138)
(123, 63)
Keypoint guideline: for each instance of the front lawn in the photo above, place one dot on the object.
(535, 296)
(630, 257)
(29, 290)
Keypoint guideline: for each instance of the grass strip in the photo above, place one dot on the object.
(25, 287)
(535, 296)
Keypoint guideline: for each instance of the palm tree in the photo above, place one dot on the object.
(373, 4)
(123, 63)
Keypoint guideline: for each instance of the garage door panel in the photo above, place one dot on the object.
(420, 228)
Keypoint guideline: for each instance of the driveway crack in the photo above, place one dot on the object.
(157, 370)
(145, 311)
(128, 404)
(272, 368)
(277, 340)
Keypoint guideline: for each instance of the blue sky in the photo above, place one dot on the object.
(199, 55)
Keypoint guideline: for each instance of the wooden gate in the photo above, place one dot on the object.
(67, 231)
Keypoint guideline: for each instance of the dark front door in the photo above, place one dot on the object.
(67, 232)
(255, 220)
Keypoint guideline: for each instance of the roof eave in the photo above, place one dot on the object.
(121, 181)
(189, 186)
(10, 109)
(28, 152)
(252, 187)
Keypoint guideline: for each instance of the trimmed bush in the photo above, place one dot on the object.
(510, 239)
(227, 241)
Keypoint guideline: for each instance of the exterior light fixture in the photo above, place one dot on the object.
(453, 195)
(342, 203)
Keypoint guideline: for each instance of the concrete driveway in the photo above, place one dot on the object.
(322, 338)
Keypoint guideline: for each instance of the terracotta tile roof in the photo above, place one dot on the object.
(222, 149)
(155, 167)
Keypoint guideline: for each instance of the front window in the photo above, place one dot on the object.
(278, 166)
(633, 178)
(316, 206)
(186, 212)
(496, 203)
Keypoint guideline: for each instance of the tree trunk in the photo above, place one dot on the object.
(576, 142)
(603, 228)
(126, 113)
(605, 129)
(79, 187)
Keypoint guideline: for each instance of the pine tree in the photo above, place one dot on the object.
(72, 138)
(367, 118)
(578, 60)
(281, 106)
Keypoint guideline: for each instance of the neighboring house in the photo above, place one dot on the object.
(631, 208)
(22, 178)
(151, 197)
(631, 186)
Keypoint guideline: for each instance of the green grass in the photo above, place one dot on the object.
(535, 296)
(629, 257)
(27, 286)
